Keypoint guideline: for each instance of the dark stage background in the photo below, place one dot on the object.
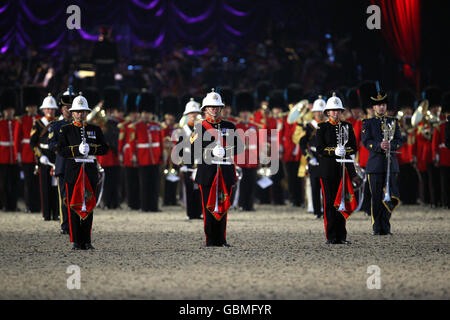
(198, 44)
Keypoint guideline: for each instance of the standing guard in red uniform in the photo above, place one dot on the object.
(126, 148)
(148, 150)
(24, 155)
(441, 153)
(247, 160)
(9, 169)
(169, 107)
(291, 150)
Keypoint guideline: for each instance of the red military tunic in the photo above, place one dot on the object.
(423, 146)
(406, 154)
(148, 144)
(248, 133)
(291, 151)
(7, 128)
(127, 137)
(22, 138)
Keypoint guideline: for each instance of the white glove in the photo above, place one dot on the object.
(340, 151)
(314, 162)
(184, 169)
(84, 149)
(43, 159)
(219, 152)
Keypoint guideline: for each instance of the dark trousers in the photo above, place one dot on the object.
(63, 213)
(170, 193)
(215, 230)
(408, 183)
(295, 184)
(247, 189)
(380, 213)
(424, 190)
(434, 183)
(132, 187)
(80, 230)
(315, 190)
(31, 184)
(111, 198)
(277, 187)
(445, 187)
(367, 202)
(194, 206)
(334, 220)
(149, 187)
(9, 177)
(49, 194)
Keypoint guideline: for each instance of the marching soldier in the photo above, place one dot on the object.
(127, 157)
(216, 173)
(39, 142)
(381, 136)
(328, 151)
(79, 143)
(24, 154)
(408, 179)
(441, 153)
(308, 146)
(149, 154)
(9, 169)
(276, 122)
(291, 151)
(65, 103)
(169, 106)
(430, 187)
(188, 163)
(110, 161)
(247, 160)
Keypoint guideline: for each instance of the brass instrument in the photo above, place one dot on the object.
(420, 113)
(299, 113)
(342, 139)
(97, 116)
(388, 135)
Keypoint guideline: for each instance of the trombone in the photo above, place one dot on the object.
(388, 135)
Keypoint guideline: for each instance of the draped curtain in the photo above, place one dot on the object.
(401, 27)
(156, 24)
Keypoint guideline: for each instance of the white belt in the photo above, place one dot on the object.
(26, 141)
(126, 146)
(6, 144)
(252, 147)
(442, 145)
(43, 146)
(147, 145)
(85, 159)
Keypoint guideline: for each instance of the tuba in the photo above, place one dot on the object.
(298, 112)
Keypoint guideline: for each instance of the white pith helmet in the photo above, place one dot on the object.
(319, 105)
(334, 103)
(80, 104)
(49, 103)
(212, 99)
(192, 107)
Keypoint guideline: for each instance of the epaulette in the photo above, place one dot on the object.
(19, 119)
(163, 125)
(120, 126)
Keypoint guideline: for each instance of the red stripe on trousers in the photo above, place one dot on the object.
(204, 214)
(68, 213)
(324, 208)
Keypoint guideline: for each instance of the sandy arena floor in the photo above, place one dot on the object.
(277, 253)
